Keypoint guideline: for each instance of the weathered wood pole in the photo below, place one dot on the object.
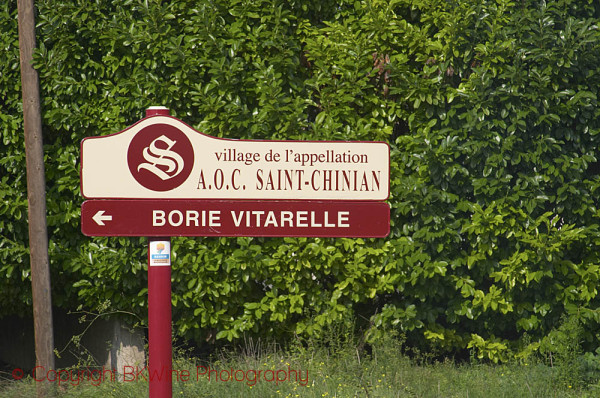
(36, 197)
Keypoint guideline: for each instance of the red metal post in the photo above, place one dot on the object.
(159, 318)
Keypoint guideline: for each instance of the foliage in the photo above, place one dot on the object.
(562, 347)
(497, 221)
(490, 108)
(14, 254)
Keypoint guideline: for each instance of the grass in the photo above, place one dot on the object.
(322, 371)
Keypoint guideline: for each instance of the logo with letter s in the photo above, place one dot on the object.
(160, 157)
(163, 157)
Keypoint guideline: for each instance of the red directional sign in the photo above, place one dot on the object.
(181, 217)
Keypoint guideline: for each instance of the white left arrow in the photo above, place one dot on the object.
(99, 217)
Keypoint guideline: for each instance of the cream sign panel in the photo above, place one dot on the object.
(162, 157)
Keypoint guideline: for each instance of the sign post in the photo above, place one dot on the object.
(36, 197)
(160, 178)
(159, 318)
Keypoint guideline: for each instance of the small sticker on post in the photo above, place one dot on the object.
(160, 253)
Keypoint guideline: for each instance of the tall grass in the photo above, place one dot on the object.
(335, 367)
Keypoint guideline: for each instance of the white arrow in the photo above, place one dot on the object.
(99, 217)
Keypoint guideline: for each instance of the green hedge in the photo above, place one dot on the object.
(490, 108)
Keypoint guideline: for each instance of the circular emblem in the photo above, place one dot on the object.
(160, 157)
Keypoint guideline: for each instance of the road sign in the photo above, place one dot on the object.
(161, 157)
(132, 217)
(161, 178)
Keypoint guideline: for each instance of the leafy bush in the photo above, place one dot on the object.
(490, 108)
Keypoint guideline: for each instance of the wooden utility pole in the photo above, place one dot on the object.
(36, 197)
